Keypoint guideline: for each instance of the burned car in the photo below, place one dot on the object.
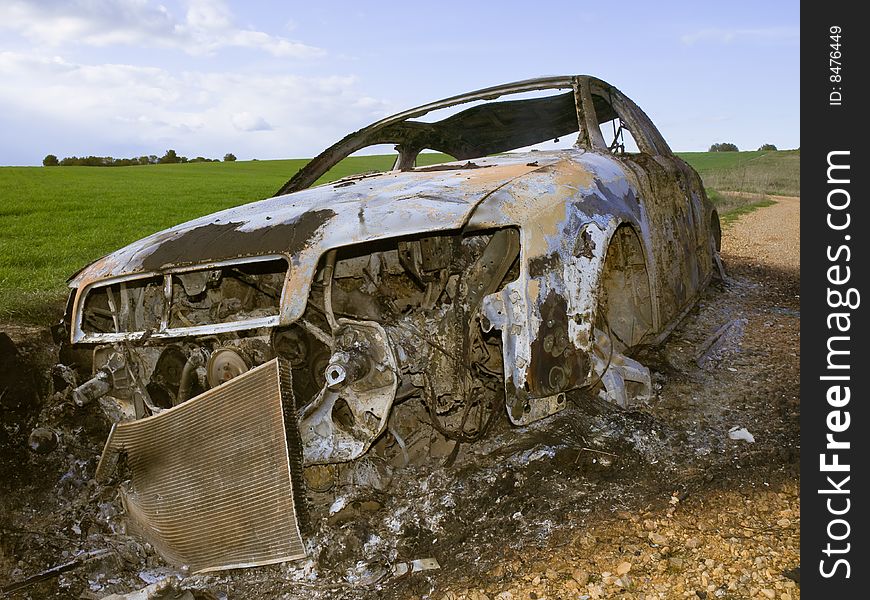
(252, 352)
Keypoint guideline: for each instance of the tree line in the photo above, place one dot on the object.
(729, 147)
(171, 157)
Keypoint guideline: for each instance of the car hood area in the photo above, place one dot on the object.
(356, 209)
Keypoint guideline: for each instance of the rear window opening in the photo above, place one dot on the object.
(491, 127)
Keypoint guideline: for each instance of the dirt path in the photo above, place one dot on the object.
(770, 236)
(653, 502)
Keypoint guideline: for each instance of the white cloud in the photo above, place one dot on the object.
(206, 26)
(245, 121)
(728, 36)
(148, 109)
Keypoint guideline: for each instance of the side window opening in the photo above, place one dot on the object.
(618, 137)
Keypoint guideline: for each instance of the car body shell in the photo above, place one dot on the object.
(565, 205)
(402, 301)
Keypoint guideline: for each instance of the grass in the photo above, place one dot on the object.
(739, 183)
(732, 206)
(706, 162)
(55, 220)
(774, 173)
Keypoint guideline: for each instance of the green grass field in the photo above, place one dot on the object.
(733, 206)
(776, 173)
(55, 220)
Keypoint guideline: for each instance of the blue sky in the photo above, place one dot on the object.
(280, 80)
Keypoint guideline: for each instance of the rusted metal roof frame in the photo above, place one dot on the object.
(649, 139)
(320, 164)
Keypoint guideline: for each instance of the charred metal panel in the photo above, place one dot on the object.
(221, 240)
(213, 480)
(670, 234)
(547, 315)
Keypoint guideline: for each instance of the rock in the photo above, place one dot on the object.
(580, 576)
(623, 568)
(768, 593)
(596, 591)
(741, 433)
(161, 590)
(42, 440)
(657, 538)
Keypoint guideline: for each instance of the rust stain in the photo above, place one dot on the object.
(498, 173)
(220, 241)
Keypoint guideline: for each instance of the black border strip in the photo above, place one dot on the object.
(834, 224)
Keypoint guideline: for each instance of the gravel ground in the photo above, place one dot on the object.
(770, 236)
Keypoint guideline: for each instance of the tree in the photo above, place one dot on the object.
(767, 148)
(50, 160)
(229, 157)
(724, 147)
(169, 158)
